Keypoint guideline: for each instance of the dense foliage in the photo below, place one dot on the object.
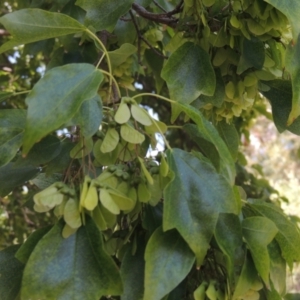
(120, 169)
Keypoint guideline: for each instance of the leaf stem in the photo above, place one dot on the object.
(21, 93)
(92, 35)
(163, 136)
(113, 79)
(154, 95)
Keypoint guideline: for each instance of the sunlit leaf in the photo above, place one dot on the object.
(120, 55)
(56, 98)
(192, 62)
(31, 25)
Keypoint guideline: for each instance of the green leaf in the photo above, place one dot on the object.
(278, 268)
(72, 268)
(132, 273)
(119, 56)
(194, 199)
(104, 14)
(246, 279)
(26, 249)
(189, 73)
(12, 123)
(31, 25)
(280, 96)
(293, 66)
(206, 147)
(168, 261)
(12, 176)
(11, 270)
(89, 116)
(217, 98)
(209, 132)
(228, 235)
(292, 10)
(56, 98)
(42, 152)
(230, 136)
(288, 236)
(254, 52)
(60, 162)
(258, 233)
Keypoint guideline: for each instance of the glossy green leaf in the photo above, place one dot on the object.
(194, 199)
(192, 62)
(31, 25)
(131, 135)
(230, 136)
(228, 235)
(258, 233)
(12, 123)
(104, 14)
(56, 98)
(26, 249)
(288, 236)
(280, 96)
(132, 273)
(12, 176)
(89, 116)
(209, 133)
(110, 141)
(72, 268)
(11, 271)
(168, 261)
(119, 56)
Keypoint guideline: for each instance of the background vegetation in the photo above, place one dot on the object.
(135, 159)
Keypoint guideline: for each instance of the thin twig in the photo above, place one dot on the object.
(140, 37)
(165, 18)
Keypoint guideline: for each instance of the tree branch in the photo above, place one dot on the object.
(165, 18)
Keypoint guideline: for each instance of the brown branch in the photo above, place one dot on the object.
(165, 18)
